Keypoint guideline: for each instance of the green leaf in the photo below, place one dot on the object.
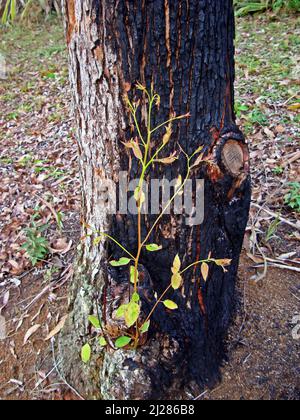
(132, 313)
(86, 353)
(135, 297)
(176, 281)
(132, 275)
(176, 265)
(95, 321)
(145, 327)
(153, 247)
(102, 342)
(122, 342)
(121, 262)
(97, 240)
(170, 304)
(121, 311)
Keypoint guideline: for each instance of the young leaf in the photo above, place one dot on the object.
(137, 151)
(135, 297)
(97, 240)
(132, 313)
(176, 265)
(145, 327)
(157, 101)
(102, 342)
(168, 134)
(176, 281)
(168, 160)
(139, 86)
(205, 271)
(170, 304)
(86, 353)
(153, 247)
(139, 196)
(128, 144)
(198, 161)
(94, 321)
(121, 262)
(122, 342)
(223, 263)
(132, 274)
(199, 150)
(121, 311)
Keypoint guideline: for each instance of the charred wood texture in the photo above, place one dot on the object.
(186, 49)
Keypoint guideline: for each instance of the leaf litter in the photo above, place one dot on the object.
(39, 174)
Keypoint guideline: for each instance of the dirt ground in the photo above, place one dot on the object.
(39, 185)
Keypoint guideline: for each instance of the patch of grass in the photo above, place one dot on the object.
(278, 170)
(292, 199)
(6, 161)
(12, 116)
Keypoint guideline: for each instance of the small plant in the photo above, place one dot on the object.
(239, 108)
(10, 11)
(258, 117)
(292, 199)
(272, 229)
(36, 245)
(147, 154)
(278, 170)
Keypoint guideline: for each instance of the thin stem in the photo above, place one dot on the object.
(116, 242)
(196, 263)
(169, 121)
(155, 155)
(141, 182)
(138, 128)
(157, 303)
(168, 204)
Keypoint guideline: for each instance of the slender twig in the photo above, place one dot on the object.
(282, 219)
(60, 374)
(116, 242)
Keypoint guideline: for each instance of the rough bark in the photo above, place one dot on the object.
(185, 48)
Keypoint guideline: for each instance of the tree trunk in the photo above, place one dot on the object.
(185, 48)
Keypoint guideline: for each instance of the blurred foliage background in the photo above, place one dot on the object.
(245, 7)
(12, 10)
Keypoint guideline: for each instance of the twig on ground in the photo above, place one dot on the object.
(282, 219)
(59, 373)
(281, 266)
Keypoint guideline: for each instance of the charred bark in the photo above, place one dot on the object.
(186, 49)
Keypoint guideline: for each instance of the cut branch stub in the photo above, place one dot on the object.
(234, 157)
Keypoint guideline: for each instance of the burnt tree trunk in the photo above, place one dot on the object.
(186, 49)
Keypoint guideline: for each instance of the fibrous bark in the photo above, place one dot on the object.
(185, 49)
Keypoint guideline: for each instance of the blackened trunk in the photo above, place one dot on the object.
(185, 48)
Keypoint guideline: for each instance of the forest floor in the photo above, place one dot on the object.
(40, 198)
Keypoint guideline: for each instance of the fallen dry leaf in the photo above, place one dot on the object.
(57, 329)
(30, 332)
(61, 246)
(2, 328)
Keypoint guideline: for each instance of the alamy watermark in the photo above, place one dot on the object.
(3, 68)
(160, 196)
